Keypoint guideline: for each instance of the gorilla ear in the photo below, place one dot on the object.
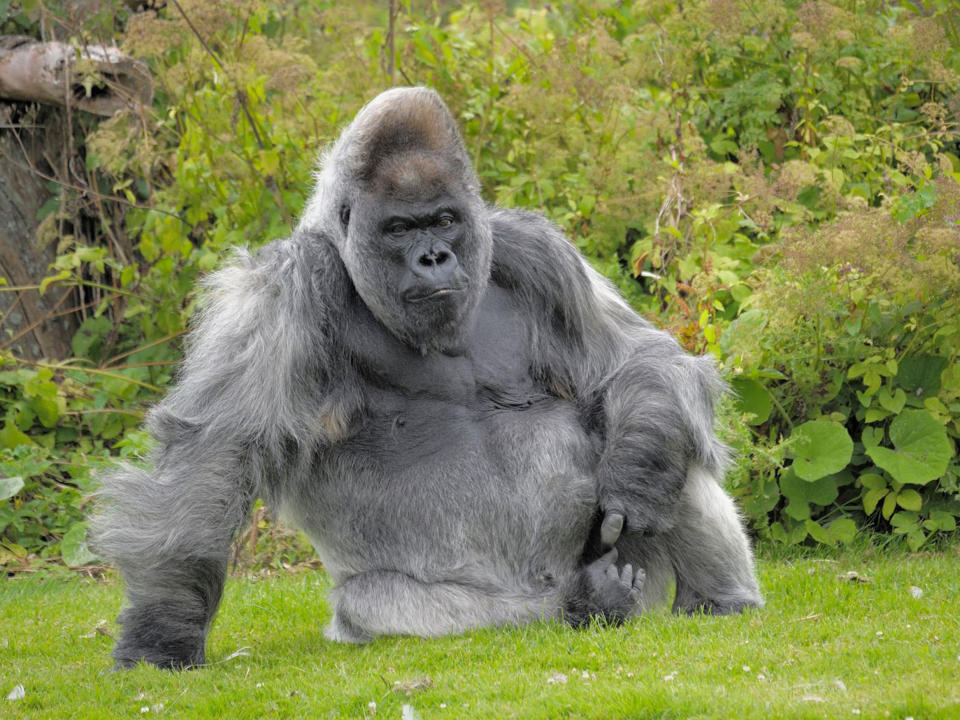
(344, 216)
(402, 120)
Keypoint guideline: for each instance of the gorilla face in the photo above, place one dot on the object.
(418, 251)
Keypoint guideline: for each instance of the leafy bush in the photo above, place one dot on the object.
(774, 182)
(848, 349)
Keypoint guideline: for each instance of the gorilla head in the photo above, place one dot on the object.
(413, 233)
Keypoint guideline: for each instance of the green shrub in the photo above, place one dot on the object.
(776, 183)
(848, 351)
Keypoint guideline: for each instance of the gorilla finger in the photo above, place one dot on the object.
(639, 578)
(597, 569)
(608, 558)
(611, 527)
(626, 575)
(612, 574)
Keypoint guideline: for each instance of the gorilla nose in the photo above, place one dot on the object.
(435, 265)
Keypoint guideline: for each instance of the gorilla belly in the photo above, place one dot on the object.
(451, 491)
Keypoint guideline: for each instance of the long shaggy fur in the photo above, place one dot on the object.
(451, 474)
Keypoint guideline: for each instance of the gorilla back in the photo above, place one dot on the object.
(458, 411)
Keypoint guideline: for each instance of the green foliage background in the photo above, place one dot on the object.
(777, 183)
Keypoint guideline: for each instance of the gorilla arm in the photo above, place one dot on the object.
(650, 401)
(249, 384)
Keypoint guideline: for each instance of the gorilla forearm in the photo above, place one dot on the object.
(651, 402)
(646, 451)
(169, 611)
(658, 426)
(169, 532)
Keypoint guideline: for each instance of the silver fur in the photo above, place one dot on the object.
(451, 468)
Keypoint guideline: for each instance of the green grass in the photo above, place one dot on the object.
(824, 646)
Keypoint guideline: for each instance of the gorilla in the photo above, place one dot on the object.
(469, 424)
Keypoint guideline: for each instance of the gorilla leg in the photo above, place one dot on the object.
(169, 533)
(710, 552)
(393, 603)
(706, 551)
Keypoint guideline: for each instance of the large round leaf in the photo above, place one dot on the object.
(820, 448)
(73, 546)
(752, 398)
(802, 493)
(921, 451)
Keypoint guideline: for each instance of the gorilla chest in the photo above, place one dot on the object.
(479, 410)
(465, 449)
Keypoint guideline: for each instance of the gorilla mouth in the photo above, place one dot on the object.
(433, 294)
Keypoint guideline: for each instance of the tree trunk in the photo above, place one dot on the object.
(28, 318)
(97, 79)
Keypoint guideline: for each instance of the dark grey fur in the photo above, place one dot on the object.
(451, 457)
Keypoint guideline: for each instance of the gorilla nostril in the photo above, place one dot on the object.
(433, 258)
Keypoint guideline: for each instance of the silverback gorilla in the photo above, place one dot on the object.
(459, 412)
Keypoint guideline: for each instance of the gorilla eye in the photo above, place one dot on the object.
(397, 228)
(445, 221)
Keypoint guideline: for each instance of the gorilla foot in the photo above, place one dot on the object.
(604, 591)
(342, 630)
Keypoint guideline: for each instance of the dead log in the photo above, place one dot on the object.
(95, 78)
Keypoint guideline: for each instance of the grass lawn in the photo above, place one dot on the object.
(884, 645)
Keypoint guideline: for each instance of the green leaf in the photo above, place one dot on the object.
(10, 486)
(920, 375)
(889, 505)
(73, 546)
(819, 533)
(50, 279)
(89, 337)
(11, 436)
(893, 402)
(942, 520)
(873, 481)
(820, 448)
(763, 501)
(916, 538)
(904, 521)
(801, 493)
(752, 398)
(875, 415)
(871, 437)
(747, 325)
(909, 499)
(844, 530)
(871, 498)
(921, 452)
(721, 145)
